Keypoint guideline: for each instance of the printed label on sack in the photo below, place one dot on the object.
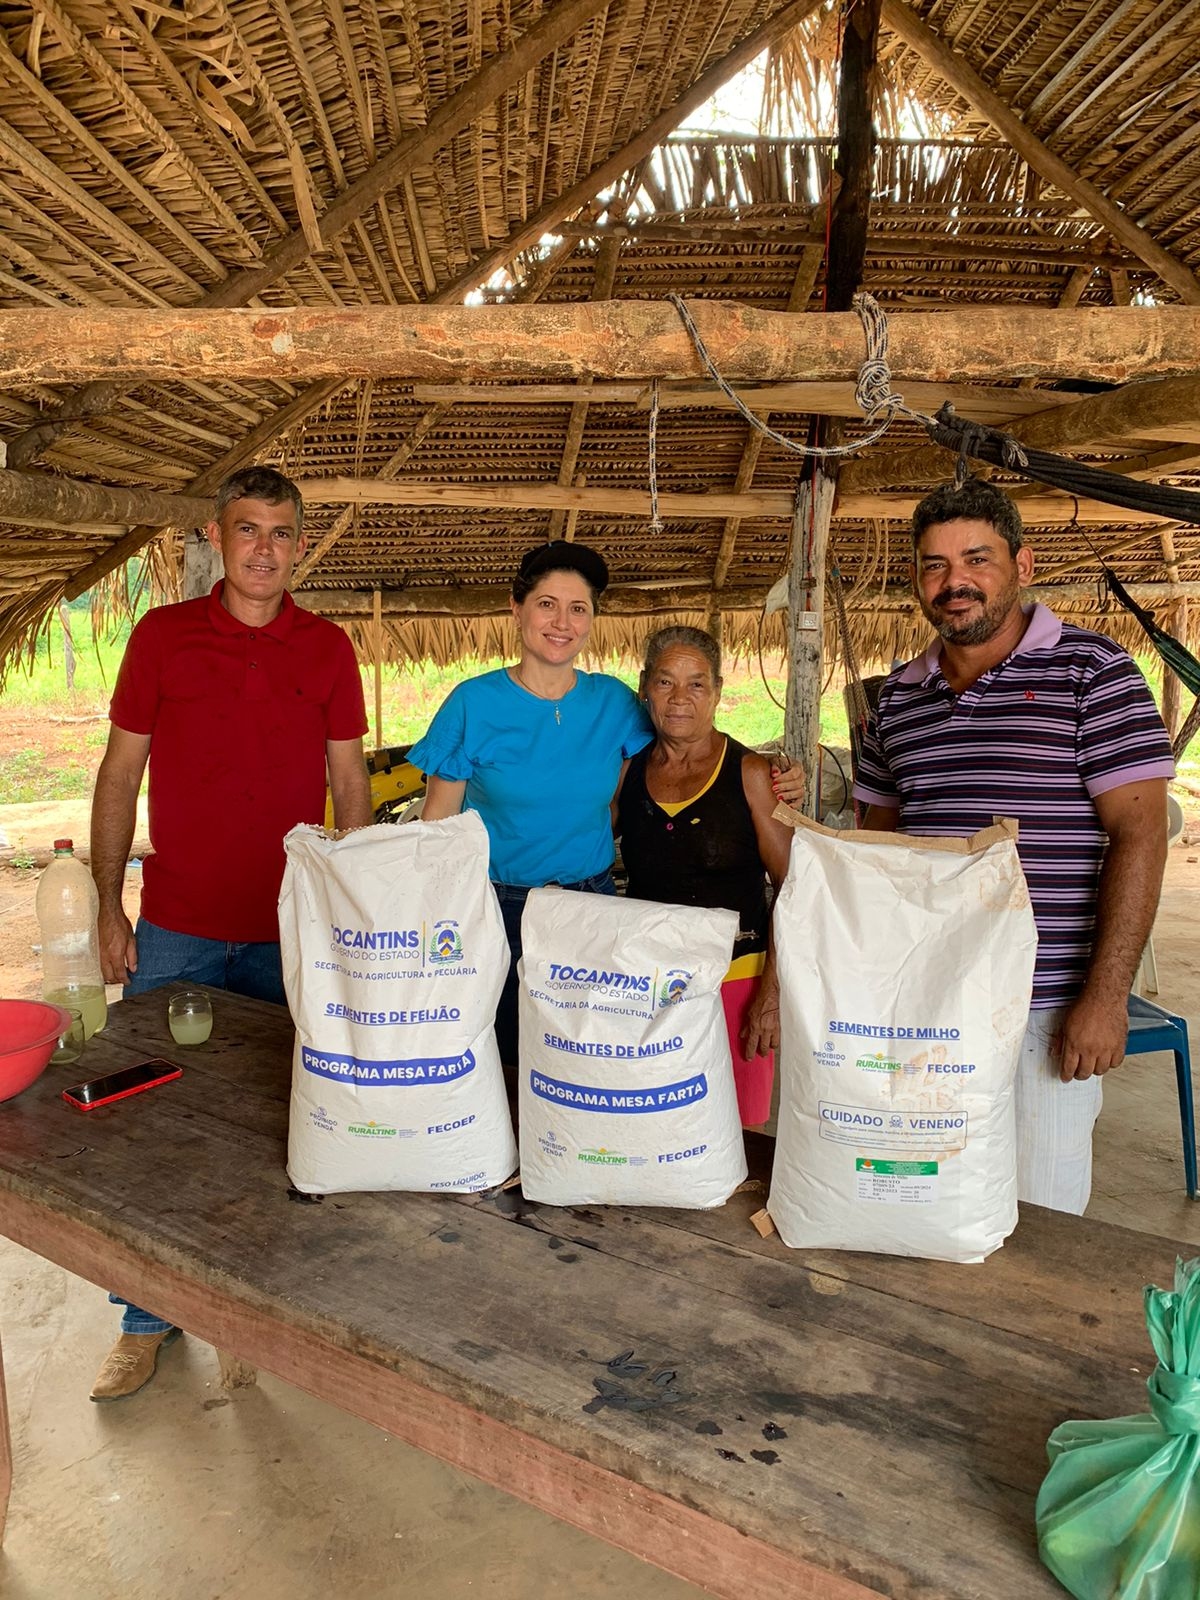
(893, 1130)
(386, 953)
(385, 1074)
(591, 1097)
(897, 1183)
(579, 986)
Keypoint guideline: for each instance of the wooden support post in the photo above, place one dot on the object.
(6, 1459)
(814, 501)
(806, 619)
(202, 565)
(377, 650)
(1171, 709)
(235, 1373)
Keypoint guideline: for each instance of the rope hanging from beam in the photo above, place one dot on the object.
(874, 394)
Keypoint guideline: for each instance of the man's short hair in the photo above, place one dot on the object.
(261, 483)
(977, 501)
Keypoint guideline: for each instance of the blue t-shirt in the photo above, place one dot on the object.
(540, 773)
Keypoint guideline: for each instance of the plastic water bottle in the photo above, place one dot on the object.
(67, 910)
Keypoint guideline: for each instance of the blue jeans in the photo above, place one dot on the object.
(165, 958)
(512, 897)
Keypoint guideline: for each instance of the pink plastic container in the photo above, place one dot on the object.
(29, 1031)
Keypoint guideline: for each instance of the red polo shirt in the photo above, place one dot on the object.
(238, 718)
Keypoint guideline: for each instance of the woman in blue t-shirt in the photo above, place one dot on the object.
(538, 749)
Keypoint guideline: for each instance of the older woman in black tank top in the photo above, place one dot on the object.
(694, 817)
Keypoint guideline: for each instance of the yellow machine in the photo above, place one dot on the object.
(395, 783)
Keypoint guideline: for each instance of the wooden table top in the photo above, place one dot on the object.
(880, 1423)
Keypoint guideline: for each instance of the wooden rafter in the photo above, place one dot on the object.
(607, 172)
(962, 77)
(204, 484)
(394, 464)
(1135, 408)
(35, 91)
(492, 80)
(602, 286)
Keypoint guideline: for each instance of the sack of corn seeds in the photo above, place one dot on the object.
(626, 1083)
(905, 971)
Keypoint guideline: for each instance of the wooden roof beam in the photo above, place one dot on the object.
(618, 339)
(630, 600)
(603, 279)
(1042, 509)
(963, 78)
(499, 75)
(205, 483)
(613, 167)
(1121, 413)
(35, 499)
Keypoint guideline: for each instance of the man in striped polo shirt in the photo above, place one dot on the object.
(1011, 712)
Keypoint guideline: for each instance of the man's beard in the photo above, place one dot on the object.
(979, 629)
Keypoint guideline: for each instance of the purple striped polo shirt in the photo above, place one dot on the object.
(1066, 717)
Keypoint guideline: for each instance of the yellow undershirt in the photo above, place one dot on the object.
(747, 966)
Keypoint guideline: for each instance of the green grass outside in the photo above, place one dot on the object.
(411, 694)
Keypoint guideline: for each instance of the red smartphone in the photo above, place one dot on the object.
(119, 1085)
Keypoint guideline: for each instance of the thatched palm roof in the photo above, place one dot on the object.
(352, 152)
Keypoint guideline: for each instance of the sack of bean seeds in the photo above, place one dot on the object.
(394, 955)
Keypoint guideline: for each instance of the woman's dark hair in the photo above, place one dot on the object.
(560, 555)
(689, 639)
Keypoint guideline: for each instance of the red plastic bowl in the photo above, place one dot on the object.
(29, 1031)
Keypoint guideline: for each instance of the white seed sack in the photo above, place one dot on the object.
(905, 967)
(626, 1091)
(394, 955)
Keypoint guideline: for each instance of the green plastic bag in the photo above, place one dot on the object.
(1118, 1515)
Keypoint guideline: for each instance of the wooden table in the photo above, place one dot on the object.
(837, 1425)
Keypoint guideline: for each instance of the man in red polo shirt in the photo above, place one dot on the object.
(241, 702)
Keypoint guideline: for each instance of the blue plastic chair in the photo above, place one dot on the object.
(1151, 1028)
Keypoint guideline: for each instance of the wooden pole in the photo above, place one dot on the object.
(1171, 707)
(628, 600)
(202, 565)
(608, 340)
(814, 501)
(1151, 410)
(377, 617)
(806, 626)
(39, 500)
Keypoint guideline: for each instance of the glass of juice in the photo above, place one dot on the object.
(70, 1042)
(190, 1015)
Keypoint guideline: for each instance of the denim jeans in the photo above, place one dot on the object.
(512, 897)
(169, 958)
(165, 957)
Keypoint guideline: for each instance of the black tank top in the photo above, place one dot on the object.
(705, 855)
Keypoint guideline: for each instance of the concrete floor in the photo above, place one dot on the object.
(186, 1493)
